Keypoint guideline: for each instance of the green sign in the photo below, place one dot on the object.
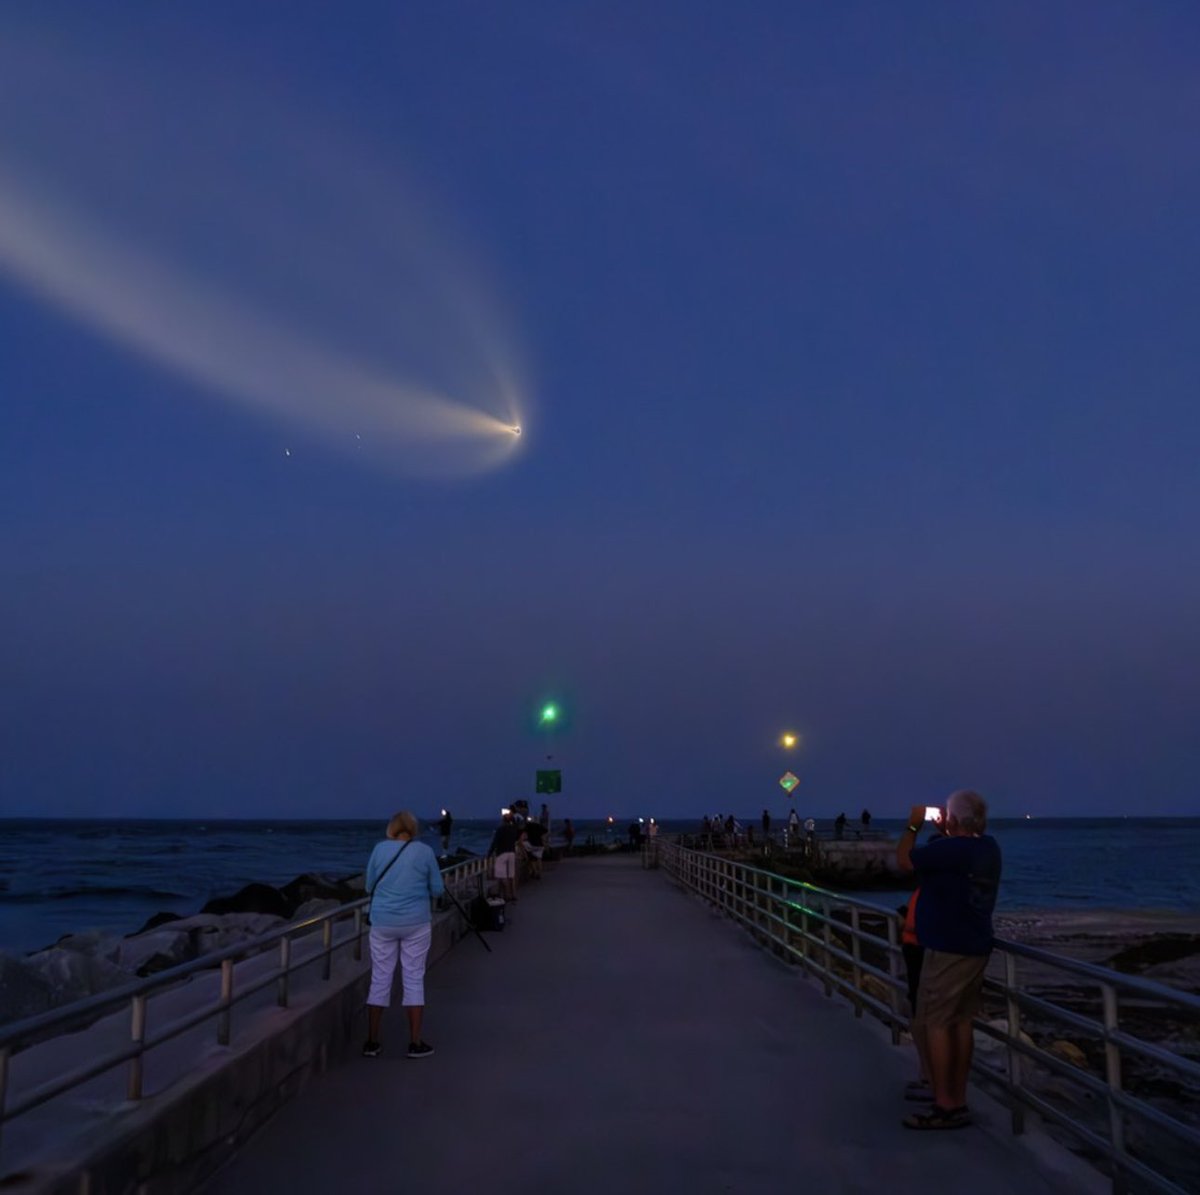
(549, 781)
(788, 781)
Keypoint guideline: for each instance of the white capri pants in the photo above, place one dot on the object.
(409, 943)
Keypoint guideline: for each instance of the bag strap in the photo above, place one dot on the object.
(371, 894)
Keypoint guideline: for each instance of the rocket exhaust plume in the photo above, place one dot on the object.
(252, 254)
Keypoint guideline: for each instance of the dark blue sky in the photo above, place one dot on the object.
(860, 381)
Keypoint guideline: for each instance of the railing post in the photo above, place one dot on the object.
(327, 947)
(856, 968)
(1112, 1073)
(137, 1034)
(285, 966)
(358, 932)
(894, 972)
(1013, 1012)
(224, 1019)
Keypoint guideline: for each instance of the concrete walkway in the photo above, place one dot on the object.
(624, 1038)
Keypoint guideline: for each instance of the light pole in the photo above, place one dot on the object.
(789, 740)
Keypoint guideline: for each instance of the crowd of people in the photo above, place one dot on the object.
(947, 934)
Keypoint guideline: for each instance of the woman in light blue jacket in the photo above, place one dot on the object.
(402, 877)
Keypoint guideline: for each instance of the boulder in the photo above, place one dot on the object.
(210, 933)
(24, 991)
(1069, 1052)
(989, 1045)
(253, 898)
(74, 975)
(306, 888)
(149, 953)
(155, 921)
(94, 943)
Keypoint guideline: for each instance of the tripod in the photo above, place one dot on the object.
(470, 924)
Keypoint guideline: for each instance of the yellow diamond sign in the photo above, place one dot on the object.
(788, 781)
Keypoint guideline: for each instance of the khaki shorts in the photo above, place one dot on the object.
(949, 989)
(506, 866)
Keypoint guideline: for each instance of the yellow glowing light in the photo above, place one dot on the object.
(789, 740)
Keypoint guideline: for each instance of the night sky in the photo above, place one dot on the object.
(855, 349)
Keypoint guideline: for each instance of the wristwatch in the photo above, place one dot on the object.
(914, 829)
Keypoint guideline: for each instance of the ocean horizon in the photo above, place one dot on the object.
(70, 875)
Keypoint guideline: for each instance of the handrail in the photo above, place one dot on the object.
(796, 919)
(136, 994)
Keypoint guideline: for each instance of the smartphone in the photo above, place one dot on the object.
(933, 813)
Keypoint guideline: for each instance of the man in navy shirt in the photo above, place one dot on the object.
(959, 875)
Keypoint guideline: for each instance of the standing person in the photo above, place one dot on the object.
(793, 827)
(504, 847)
(866, 819)
(535, 848)
(810, 836)
(568, 834)
(402, 876)
(766, 825)
(959, 876)
(839, 825)
(444, 826)
(544, 817)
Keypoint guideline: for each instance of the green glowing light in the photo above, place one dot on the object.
(550, 713)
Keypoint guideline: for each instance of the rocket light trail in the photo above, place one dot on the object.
(256, 259)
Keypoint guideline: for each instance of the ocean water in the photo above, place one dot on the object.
(59, 877)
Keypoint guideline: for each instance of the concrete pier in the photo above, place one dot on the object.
(624, 1037)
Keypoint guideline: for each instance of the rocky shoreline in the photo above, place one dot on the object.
(1158, 945)
(81, 965)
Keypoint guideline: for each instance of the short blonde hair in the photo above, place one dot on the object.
(403, 822)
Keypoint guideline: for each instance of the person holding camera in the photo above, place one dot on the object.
(959, 876)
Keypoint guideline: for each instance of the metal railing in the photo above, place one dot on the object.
(138, 995)
(853, 948)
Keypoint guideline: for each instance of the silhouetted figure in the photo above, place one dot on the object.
(793, 828)
(866, 819)
(766, 823)
(535, 848)
(444, 826)
(839, 825)
(568, 834)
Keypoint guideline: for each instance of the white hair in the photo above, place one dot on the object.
(969, 809)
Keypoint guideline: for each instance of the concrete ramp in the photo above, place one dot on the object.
(623, 1037)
